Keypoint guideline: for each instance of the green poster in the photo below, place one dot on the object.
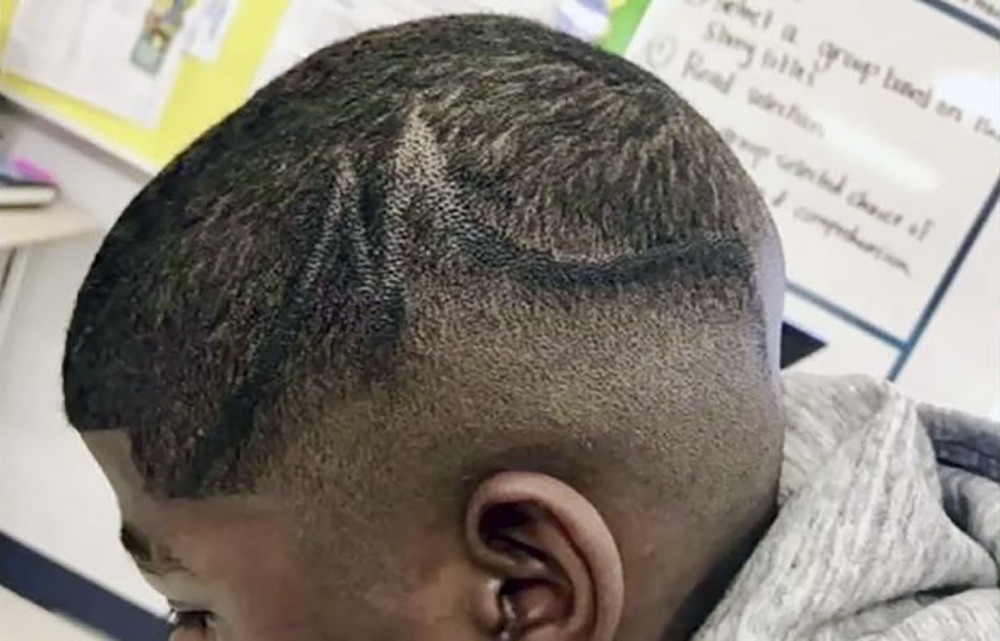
(624, 22)
(609, 23)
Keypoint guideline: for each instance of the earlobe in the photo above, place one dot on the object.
(557, 570)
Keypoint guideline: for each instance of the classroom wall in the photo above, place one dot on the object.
(52, 495)
(963, 337)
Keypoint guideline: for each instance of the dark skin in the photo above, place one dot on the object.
(559, 577)
(542, 557)
(574, 309)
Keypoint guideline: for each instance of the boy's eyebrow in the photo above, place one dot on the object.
(150, 557)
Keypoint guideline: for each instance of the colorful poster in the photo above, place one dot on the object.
(121, 56)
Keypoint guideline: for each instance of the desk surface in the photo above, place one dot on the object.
(19, 227)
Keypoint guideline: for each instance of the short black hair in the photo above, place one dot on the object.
(379, 196)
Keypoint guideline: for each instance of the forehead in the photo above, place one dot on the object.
(242, 556)
(167, 530)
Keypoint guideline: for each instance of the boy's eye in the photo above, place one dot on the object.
(191, 625)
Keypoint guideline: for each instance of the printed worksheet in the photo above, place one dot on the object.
(119, 55)
(209, 27)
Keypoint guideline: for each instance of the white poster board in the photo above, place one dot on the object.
(873, 130)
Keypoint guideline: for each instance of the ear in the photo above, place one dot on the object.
(557, 568)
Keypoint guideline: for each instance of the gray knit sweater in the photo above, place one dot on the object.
(889, 526)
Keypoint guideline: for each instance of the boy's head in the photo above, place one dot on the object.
(459, 330)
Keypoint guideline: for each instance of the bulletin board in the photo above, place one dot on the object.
(202, 95)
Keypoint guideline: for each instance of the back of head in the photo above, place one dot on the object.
(438, 252)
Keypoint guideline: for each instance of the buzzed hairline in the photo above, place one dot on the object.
(688, 237)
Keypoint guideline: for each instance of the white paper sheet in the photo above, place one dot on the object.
(308, 25)
(209, 28)
(104, 52)
(871, 128)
